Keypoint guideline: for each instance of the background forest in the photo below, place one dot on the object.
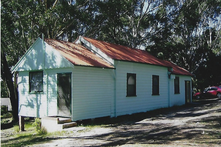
(186, 32)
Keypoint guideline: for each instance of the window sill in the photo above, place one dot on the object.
(131, 96)
(36, 92)
(155, 94)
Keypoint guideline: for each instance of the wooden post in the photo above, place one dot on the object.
(21, 123)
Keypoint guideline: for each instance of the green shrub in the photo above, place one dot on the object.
(38, 128)
(42, 131)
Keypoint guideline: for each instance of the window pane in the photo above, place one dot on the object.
(131, 80)
(131, 90)
(155, 85)
(36, 81)
(176, 85)
(131, 84)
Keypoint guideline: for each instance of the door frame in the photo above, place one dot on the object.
(188, 94)
(70, 78)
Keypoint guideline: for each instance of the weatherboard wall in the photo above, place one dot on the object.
(31, 104)
(52, 109)
(39, 104)
(144, 100)
(93, 92)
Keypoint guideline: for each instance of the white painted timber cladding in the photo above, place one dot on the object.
(52, 93)
(144, 101)
(43, 103)
(179, 99)
(93, 92)
(31, 104)
(52, 90)
(53, 59)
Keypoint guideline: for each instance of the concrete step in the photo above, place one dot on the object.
(69, 125)
(63, 120)
(54, 123)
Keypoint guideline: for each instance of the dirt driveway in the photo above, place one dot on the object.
(198, 124)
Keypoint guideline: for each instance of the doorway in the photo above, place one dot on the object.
(64, 94)
(187, 92)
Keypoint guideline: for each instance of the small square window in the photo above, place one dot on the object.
(131, 84)
(155, 85)
(36, 81)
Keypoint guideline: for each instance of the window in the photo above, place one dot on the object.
(131, 84)
(36, 81)
(155, 85)
(176, 85)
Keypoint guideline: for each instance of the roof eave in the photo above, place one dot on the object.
(143, 63)
(183, 74)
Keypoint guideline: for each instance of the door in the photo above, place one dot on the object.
(64, 94)
(187, 92)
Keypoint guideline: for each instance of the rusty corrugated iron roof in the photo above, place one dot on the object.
(77, 54)
(123, 53)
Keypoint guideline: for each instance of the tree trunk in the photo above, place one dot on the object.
(7, 76)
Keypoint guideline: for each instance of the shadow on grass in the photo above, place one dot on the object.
(28, 139)
(6, 126)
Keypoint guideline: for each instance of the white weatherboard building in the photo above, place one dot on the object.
(90, 78)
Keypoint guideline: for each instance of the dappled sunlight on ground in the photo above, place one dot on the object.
(198, 124)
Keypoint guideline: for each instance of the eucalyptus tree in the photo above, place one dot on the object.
(125, 22)
(183, 30)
